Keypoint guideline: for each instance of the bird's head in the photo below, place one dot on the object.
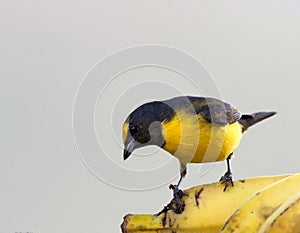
(143, 126)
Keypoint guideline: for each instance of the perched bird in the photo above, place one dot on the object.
(193, 129)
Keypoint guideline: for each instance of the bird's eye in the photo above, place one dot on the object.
(133, 129)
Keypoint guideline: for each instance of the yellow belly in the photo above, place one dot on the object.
(192, 139)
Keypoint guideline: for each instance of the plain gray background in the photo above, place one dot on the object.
(251, 48)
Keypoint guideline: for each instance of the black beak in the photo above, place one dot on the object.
(129, 149)
(126, 154)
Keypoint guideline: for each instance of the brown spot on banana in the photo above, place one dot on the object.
(197, 195)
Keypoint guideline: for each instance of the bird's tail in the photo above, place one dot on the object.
(248, 120)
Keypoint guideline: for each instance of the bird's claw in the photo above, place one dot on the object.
(227, 179)
(177, 198)
(176, 191)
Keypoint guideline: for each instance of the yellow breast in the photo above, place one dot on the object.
(192, 139)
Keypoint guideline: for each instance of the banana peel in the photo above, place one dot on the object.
(206, 208)
(286, 217)
(250, 216)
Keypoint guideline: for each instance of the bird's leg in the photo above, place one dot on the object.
(177, 192)
(227, 178)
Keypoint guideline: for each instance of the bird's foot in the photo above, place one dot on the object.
(227, 179)
(177, 202)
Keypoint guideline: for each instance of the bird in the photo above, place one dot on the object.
(194, 129)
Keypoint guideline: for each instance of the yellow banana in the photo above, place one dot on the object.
(286, 218)
(206, 208)
(254, 212)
